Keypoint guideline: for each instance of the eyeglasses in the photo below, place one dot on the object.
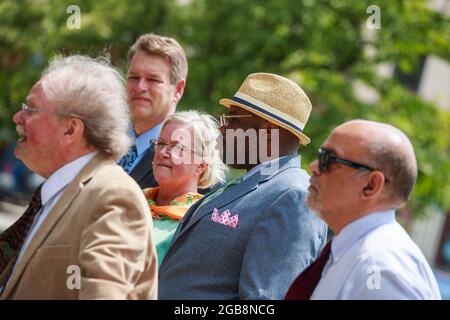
(174, 148)
(224, 122)
(325, 157)
(28, 111)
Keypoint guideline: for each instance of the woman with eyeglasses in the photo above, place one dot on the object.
(185, 160)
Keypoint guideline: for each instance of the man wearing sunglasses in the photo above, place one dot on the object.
(365, 171)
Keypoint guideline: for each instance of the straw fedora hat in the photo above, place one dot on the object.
(276, 99)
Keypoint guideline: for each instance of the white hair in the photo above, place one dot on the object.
(93, 90)
(206, 131)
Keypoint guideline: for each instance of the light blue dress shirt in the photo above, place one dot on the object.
(374, 258)
(143, 142)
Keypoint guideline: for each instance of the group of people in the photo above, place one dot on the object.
(144, 211)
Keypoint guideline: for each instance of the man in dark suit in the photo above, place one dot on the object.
(157, 71)
(248, 239)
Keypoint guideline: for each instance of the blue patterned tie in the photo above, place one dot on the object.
(127, 161)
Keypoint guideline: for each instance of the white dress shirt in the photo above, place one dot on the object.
(374, 258)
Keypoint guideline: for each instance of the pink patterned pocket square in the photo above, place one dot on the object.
(225, 218)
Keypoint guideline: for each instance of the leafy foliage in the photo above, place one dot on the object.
(323, 44)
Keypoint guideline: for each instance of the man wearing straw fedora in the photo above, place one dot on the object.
(250, 238)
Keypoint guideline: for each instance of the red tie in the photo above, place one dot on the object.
(11, 240)
(306, 282)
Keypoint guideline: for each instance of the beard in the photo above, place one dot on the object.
(313, 202)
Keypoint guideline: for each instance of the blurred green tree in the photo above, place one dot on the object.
(324, 45)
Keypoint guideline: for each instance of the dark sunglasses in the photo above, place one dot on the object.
(325, 157)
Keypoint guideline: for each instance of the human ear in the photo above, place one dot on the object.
(179, 89)
(374, 185)
(269, 127)
(73, 129)
(201, 168)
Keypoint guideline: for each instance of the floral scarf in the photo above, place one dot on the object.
(177, 208)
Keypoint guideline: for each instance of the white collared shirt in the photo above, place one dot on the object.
(51, 191)
(374, 258)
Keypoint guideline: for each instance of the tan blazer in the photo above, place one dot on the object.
(94, 244)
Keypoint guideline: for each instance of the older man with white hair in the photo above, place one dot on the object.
(87, 231)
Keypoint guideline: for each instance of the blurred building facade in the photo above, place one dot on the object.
(431, 81)
(432, 234)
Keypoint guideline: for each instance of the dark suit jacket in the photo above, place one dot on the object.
(142, 173)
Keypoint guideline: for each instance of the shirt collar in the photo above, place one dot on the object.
(357, 229)
(143, 140)
(63, 176)
(268, 163)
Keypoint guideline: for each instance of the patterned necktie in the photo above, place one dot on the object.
(127, 160)
(303, 287)
(12, 239)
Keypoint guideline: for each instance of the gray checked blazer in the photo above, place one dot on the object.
(275, 237)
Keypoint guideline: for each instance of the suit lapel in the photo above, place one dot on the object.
(68, 197)
(144, 167)
(229, 195)
(232, 194)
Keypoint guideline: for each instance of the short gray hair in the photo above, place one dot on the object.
(396, 166)
(206, 132)
(94, 90)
